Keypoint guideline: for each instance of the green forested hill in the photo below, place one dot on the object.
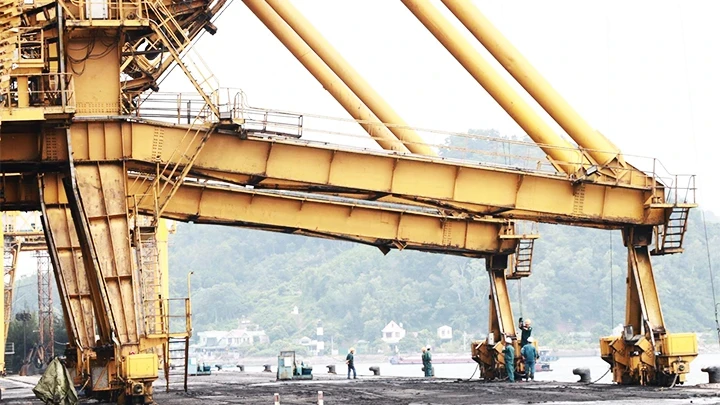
(355, 290)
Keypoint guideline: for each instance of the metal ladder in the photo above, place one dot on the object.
(522, 260)
(147, 257)
(169, 178)
(176, 363)
(9, 23)
(177, 43)
(669, 237)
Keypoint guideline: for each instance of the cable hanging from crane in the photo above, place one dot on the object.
(695, 149)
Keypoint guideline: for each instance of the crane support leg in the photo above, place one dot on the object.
(488, 353)
(645, 353)
(97, 196)
(70, 276)
(85, 217)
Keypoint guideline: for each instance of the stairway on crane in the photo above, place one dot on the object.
(670, 236)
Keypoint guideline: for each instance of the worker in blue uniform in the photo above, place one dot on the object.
(427, 362)
(509, 352)
(529, 355)
(350, 361)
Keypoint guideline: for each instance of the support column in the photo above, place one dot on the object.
(564, 155)
(329, 80)
(488, 353)
(352, 79)
(597, 145)
(70, 275)
(645, 353)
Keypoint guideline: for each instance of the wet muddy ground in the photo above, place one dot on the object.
(259, 388)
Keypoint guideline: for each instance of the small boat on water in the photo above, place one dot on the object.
(543, 363)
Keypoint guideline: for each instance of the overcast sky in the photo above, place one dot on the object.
(644, 73)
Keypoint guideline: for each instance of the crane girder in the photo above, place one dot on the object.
(383, 227)
(386, 227)
(265, 163)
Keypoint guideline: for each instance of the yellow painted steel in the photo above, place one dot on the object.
(87, 223)
(598, 146)
(645, 353)
(352, 79)
(140, 365)
(102, 189)
(70, 274)
(467, 187)
(500, 317)
(162, 236)
(383, 227)
(97, 89)
(643, 310)
(9, 22)
(386, 228)
(563, 154)
(329, 80)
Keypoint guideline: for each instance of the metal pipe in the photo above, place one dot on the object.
(565, 155)
(598, 146)
(61, 51)
(350, 77)
(329, 80)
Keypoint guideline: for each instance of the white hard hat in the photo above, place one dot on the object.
(531, 339)
(508, 340)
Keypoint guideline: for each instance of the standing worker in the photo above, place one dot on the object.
(427, 363)
(529, 354)
(509, 352)
(423, 357)
(350, 361)
(525, 331)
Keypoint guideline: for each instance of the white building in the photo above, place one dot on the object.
(392, 333)
(444, 332)
(211, 338)
(246, 334)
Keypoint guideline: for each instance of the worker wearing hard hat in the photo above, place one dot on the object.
(509, 352)
(525, 331)
(529, 355)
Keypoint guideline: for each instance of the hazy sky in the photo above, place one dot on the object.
(644, 73)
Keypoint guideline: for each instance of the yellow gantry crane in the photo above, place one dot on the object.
(76, 146)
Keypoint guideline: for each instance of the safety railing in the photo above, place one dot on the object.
(31, 47)
(183, 108)
(259, 121)
(120, 10)
(174, 316)
(678, 188)
(52, 91)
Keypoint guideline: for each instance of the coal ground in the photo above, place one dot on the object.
(259, 388)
